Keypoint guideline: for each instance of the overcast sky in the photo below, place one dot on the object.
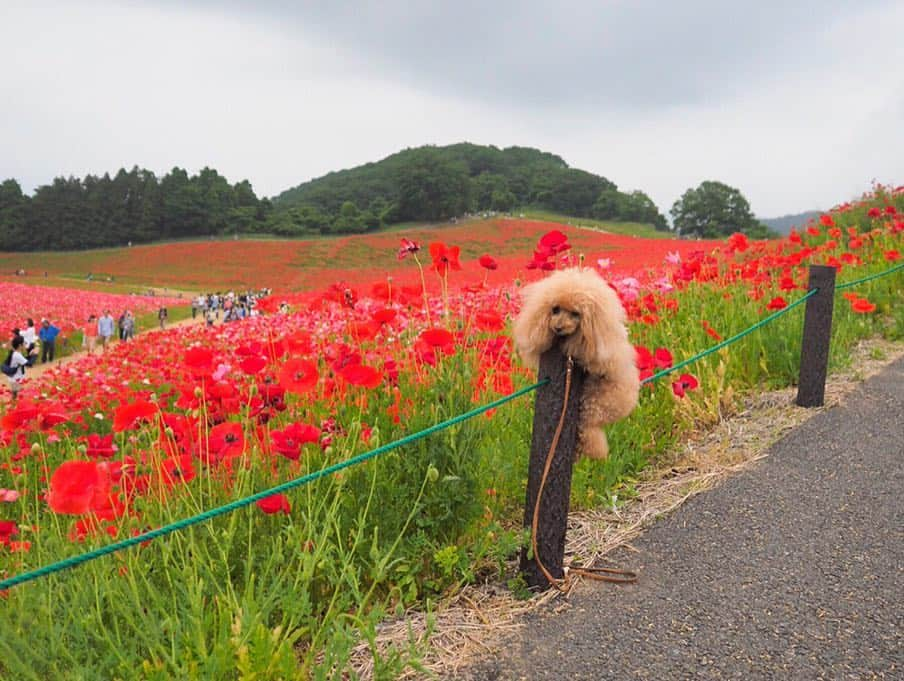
(799, 104)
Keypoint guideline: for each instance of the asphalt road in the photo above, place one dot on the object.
(793, 569)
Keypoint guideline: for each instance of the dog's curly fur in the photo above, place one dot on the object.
(579, 309)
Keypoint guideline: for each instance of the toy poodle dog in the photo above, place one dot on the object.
(579, 310)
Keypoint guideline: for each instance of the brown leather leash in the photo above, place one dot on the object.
(613, 575)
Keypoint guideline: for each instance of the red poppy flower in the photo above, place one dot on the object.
(862, 306)
(129, 415)
(662, 358)
(298, 375)
(358, 374)
(444, 257)
(738, 242)
(289, 441)
(826, 221)
(384, 316)
(684, 383)
(487, 262)
(891, 210)
(177, 469)
(813, 231)
(408, 247)
(892, 256)
(487, 320)
(777, 303)
(275, 503)
(711, 331)
(77, 487)
(226, 440)
(554, 242)
(252, 365)
(100, 446)
(874, 212)
(787, 284)
(437, 338)
(7, 529)
(199, 359)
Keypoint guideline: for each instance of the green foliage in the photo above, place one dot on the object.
(715, 210)
(134, 206)
(436, 183)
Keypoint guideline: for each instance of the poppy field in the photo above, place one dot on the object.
(188, 419)
(303, 265)
(68, 309)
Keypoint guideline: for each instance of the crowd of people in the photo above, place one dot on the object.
(232, 307)
(26, 346)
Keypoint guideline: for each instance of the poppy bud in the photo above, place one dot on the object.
(168, 431)
(36, 448)
(82, 448)
(198, 391)
(432, 473)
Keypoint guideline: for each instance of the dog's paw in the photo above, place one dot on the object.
(592, 443)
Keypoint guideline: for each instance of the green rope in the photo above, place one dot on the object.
(247, 501)
(729, 341)
(869, 278)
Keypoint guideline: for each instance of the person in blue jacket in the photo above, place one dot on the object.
(48, 335)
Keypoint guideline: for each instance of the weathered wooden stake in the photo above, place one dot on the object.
(814, 347)
(553, 521)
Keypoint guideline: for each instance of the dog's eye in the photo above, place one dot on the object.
(576, 315)
(556, 309)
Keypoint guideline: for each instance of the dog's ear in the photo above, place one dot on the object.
(531, 330)
(603, 334)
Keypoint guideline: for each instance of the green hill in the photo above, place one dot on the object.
(783, 224)
(432, 183)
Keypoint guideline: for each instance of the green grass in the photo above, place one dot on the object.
(637, 229)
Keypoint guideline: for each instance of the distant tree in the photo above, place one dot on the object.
(713, 210)
(349, 219)
(607, 204)
(14, 208)
(638, 207)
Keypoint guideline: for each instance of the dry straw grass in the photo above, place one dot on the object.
(476, 620)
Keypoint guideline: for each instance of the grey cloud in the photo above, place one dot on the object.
(618, 56)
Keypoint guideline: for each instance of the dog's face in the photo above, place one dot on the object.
(564, 321)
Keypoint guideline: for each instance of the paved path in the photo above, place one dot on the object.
(793, 570)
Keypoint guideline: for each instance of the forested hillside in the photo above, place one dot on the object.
(783, 224)
(437, 183)
(425, 184)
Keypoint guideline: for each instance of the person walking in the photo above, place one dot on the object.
(48, 335)
(105, 329)
(30, 336)
(162, 315)
(89, 334)
(128, 326)
(16, 362)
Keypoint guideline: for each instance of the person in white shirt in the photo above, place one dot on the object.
(30, 336)
(18, 362)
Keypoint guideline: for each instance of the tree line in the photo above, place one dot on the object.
(423, 184)
(132, 206)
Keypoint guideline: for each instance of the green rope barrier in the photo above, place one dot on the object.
(247, 501)
(729, 341)
(848, 284)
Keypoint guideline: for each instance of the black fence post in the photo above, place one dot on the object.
(553, 517)
(814, 347)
